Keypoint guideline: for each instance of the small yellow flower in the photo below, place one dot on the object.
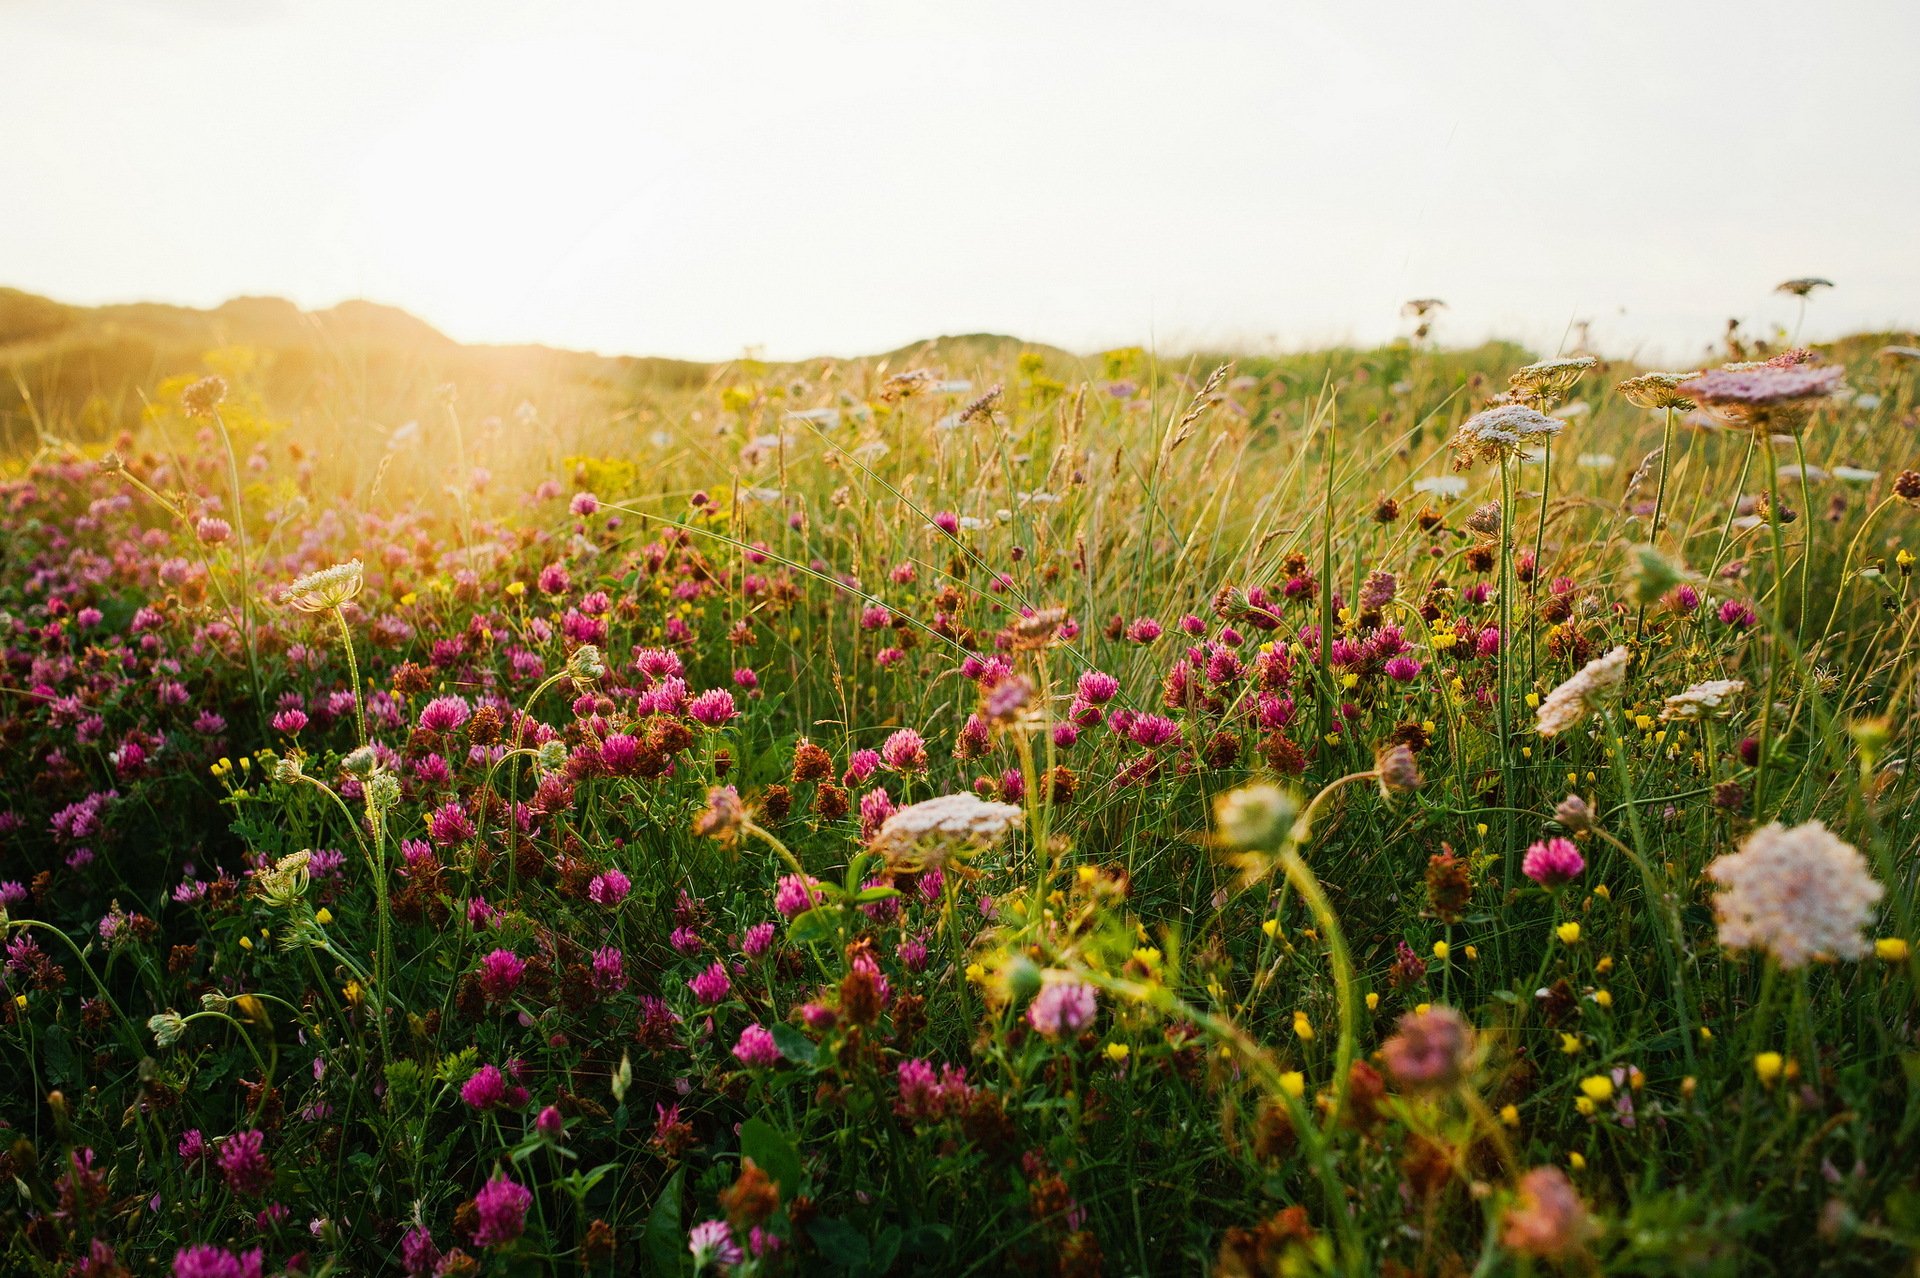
(1302, 1027)
(1577, 1160)
(410, 598)
(1568, 932)
(1904, 558)
(1294, 1083)
(1605, 965)
(1570, 1044)
(1767, 1067)
(1510, 1115)
(1597, 1088)
(353, 993)
(1481, 828)
(1602, 891)
(1890, 949)
(1373, 1001)
(1706, 1035)
(1533, 701)
(246, 942)
(1271, 927)
(1585, 1106)
(976, 973)
(323, 916)
(1117, 1052)
(1473, 954)
(1441, 949)
(1421, 1009)
(1603, 997)
(250, 1006)
(20, 1001)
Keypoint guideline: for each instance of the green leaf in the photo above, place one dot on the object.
(664, 1241)
(794, 1045)
(813, 926)
(867, 895)
(839, 1242)
(773, 1153)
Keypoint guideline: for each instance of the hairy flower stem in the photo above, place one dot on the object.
(1539, 550)
(353, 673)
(1304, 881)
(1659, 506)
(1504, 692)
(1775, 655)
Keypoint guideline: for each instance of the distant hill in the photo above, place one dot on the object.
(81, 371)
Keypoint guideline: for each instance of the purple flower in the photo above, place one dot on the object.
(500, 974)
(243, 1161)
(418, 1256)
(1064, 1007)
(202, 1260)
(713, 707)
(609, 888)
(449, 824)
(905, 751)
(444, 714)
(756, 1048)
(792, 895)
(711, 1242)
(712, 985)
(486, 1089)
(1553, 863)
(756, 940)
(1096, 688)
(290, 721)
(549, 1124)
(609, 970)
(501, 1211)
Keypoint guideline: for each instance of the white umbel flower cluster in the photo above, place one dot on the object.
(926, 835)
(1800, 894)
(1568, 704)
(1702, 700)
(326, 589)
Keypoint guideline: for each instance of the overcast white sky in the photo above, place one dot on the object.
(699, 177)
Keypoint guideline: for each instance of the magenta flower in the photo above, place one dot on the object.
(584, 505)
(609, 888)
(757, 939)
(449, 824)
(1553, 863)
(713, 707)
(501, 1211)
(500, 974)
(609, 970)
(203, 1260)
(792, 896)
(444, 714)
(712, 985)
(486, 1089)
(1143, 630)
(243, 1161)
(905, 751)
(756, 1048)
(290, 721)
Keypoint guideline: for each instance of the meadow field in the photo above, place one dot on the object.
(1411, 811)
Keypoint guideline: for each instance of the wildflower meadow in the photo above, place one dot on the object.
(1409, 811)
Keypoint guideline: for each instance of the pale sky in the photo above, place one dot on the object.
(701, 177)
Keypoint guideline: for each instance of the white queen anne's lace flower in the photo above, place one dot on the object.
(1503, 431)
(1568, 704)
(927, 834)
(328, 588)
(1702, 700)
(1800, 894)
